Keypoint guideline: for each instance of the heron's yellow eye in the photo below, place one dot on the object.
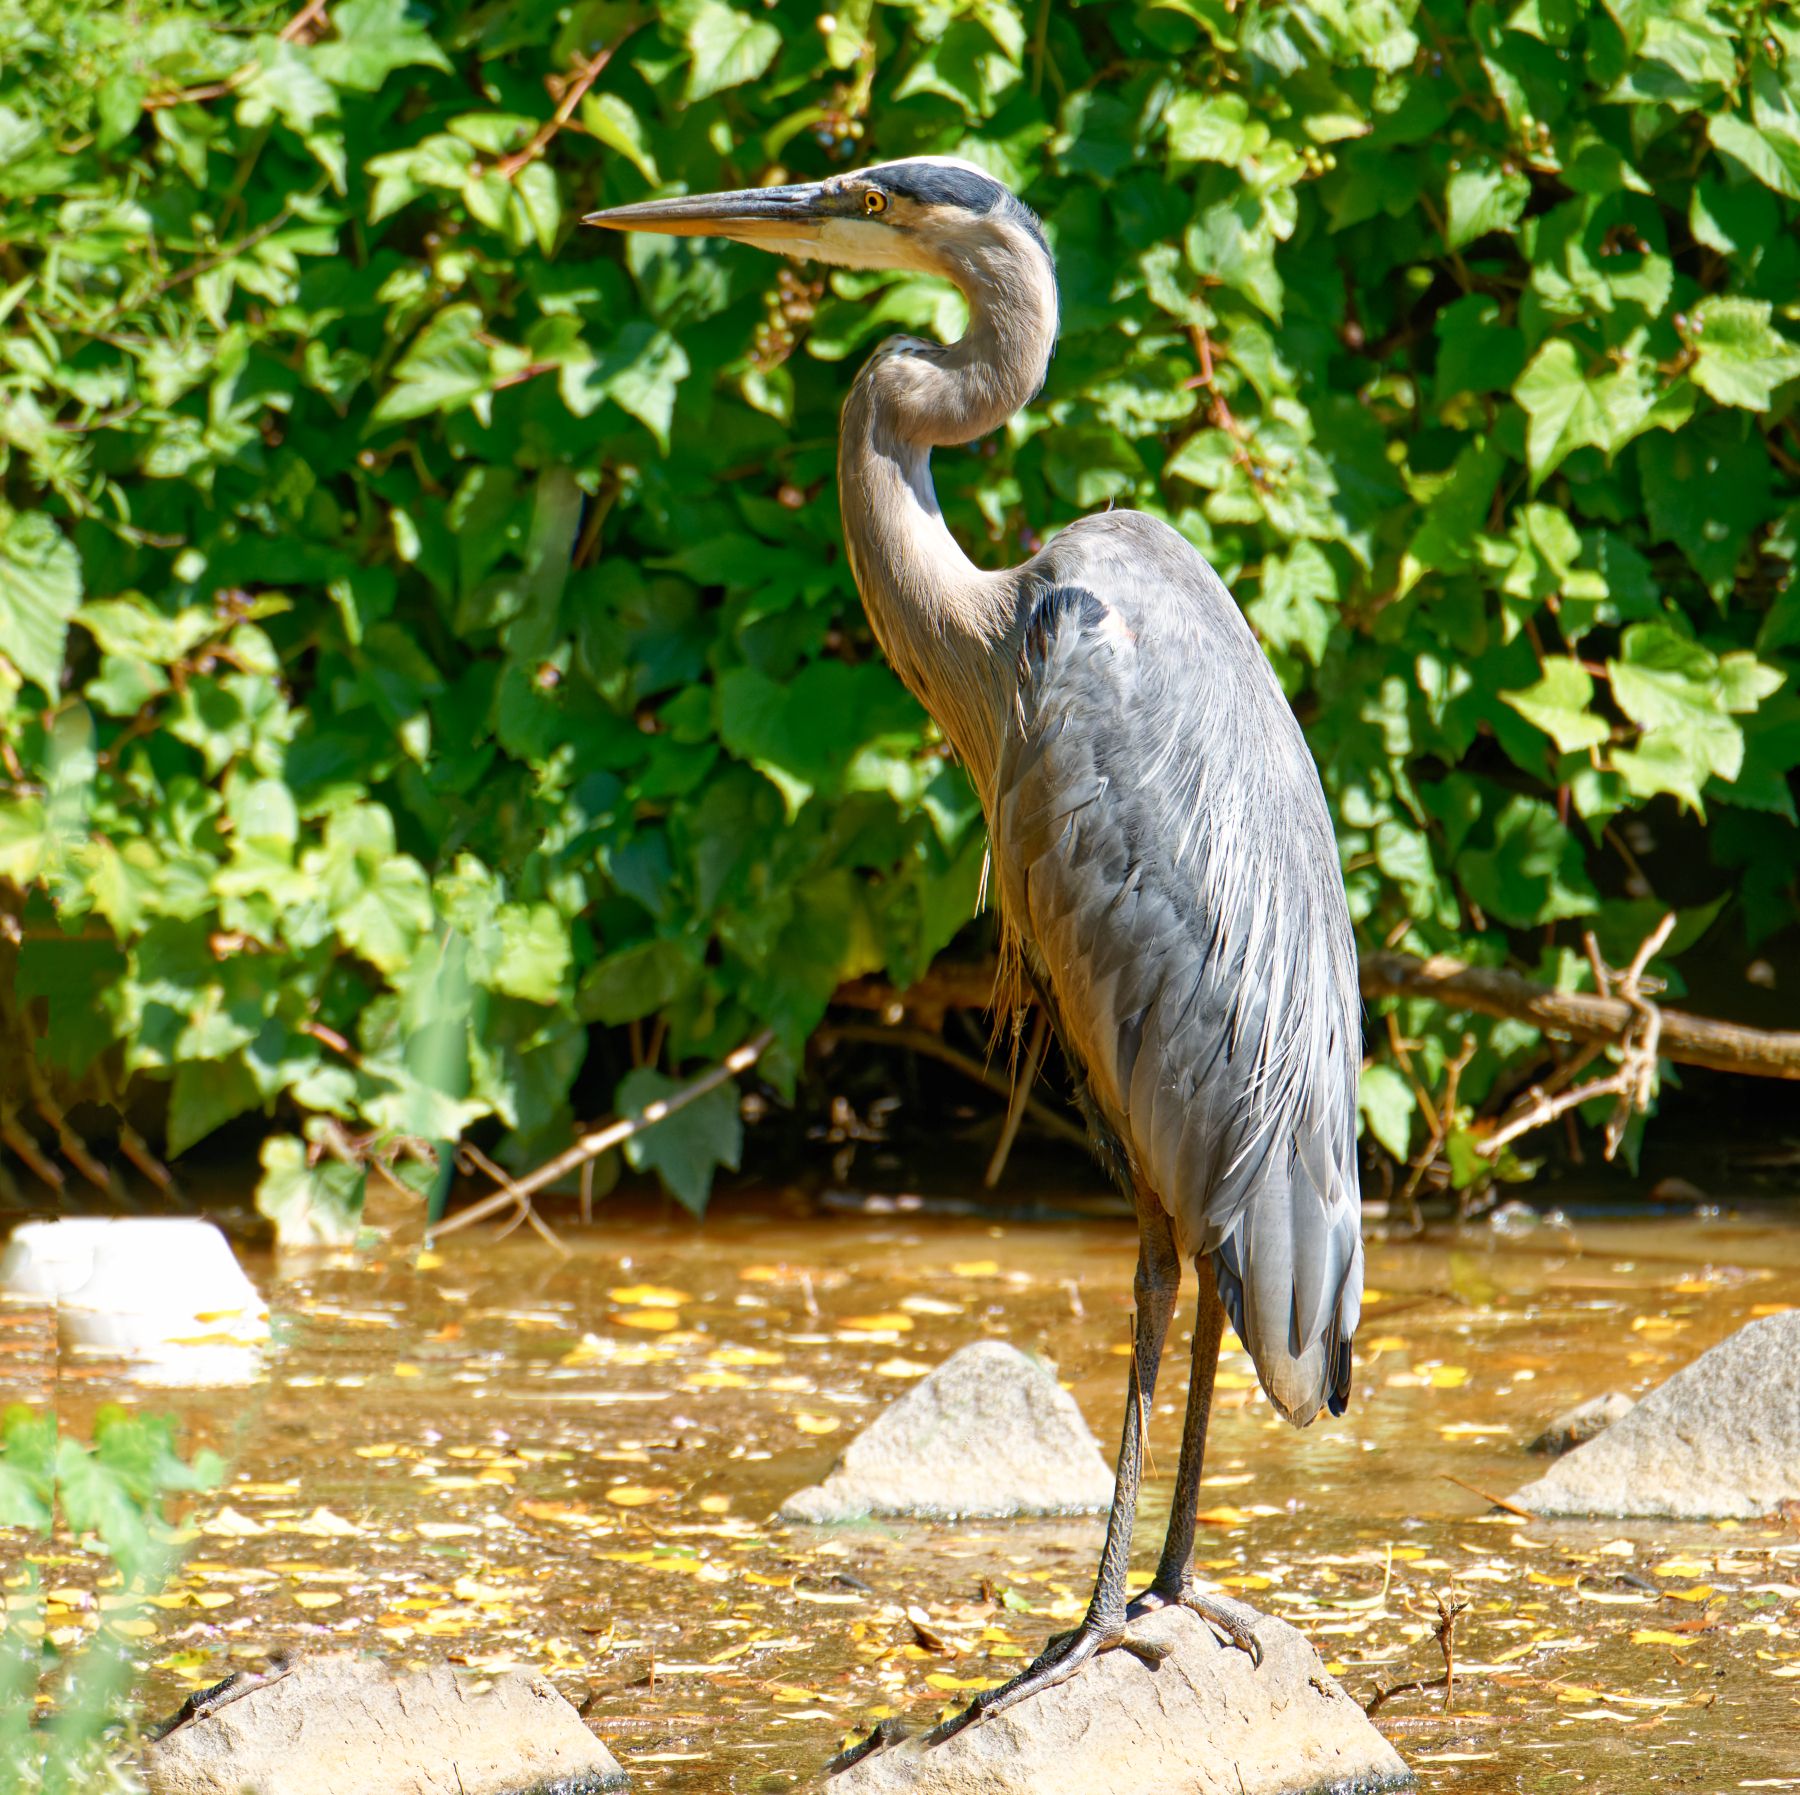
(875, 202)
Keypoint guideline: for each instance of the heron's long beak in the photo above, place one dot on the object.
(765, 216)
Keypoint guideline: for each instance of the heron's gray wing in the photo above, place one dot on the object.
(1164, 848)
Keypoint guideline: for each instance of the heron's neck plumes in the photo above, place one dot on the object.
(946, 626)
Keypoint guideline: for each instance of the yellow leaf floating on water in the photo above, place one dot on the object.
(650, 1296)
(1681, 1567)
(658, 1321)
(817, 1424)
(1652, 1636)
(902, 1368)
(976, 1268)
(634, 1495)
(743, 1355)
(1771, 1309)
(387, 1451)
(1701, 1592)
(1443, 1377)
(317, 1598)
(408, 1371)
(1385, 1343)
(940, 1680)
(891, 1322)
(1224, 1517)
(715, 1505)
(229, 1524)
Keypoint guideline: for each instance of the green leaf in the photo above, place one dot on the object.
(1558, 705)
(1532, 874)
(728, 47)
(685, 1149)
(205, 1095)
(1211, 128)
(534, 956)
(640, 373)
(1385, 1105)
(1741, 358)
(446, 367)
(613, 122)
(1290, 611)
(310, 1205)
(636, 981)
(375, 37)
(1669, 686)
(40, 590)
(1483, 197)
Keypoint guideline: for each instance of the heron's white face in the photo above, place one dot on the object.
(925, 214)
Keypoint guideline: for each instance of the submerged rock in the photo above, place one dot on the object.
(1719, 1441)
(989, 1432)
(1576, 1426)
(330, 1725)
(1205, 1722)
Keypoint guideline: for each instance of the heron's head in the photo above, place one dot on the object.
(930, 213)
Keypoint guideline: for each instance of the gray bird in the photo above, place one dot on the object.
(1166, 867)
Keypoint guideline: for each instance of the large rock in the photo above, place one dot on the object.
(989, 1432)
(333, 1725)
(1719, 1441)
(1206, 1722)
(1575, 1427)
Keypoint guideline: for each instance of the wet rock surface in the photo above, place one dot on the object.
(1575, 1427)
(990, 1432)
(1206, 1722)
(1719, 1441)
(328, 1725)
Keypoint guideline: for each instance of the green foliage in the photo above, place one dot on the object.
(108, 1492)
(425, 625)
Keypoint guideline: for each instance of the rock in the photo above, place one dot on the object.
(1205, 1722)
(164, 1293)
(989, 1432)
(1719, 1441)
(334, 1724)
(1576, 1426)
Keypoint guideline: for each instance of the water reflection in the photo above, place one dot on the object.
(487, 1454)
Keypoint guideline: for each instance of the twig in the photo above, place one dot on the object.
(919, 1041)
(523, 1198)
(1450, 1603)
(590, 72)
(1015, 1111)
(312, 13)
(1631, 1084)
(591, 1146)
(1512, 1508)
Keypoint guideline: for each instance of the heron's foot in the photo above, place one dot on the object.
(1063, 1656)
(886, 1733)
(1234, 1622)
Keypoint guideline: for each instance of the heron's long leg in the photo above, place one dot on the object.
(1171, 1585)
(1157, 1284)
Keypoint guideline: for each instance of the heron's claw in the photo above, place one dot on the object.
(1234, 1622)
(1063, 1655)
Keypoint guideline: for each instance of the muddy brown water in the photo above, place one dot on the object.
(488, 1454)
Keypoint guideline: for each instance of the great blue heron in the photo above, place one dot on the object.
(1165, 860)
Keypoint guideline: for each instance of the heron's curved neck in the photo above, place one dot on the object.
(944, 623)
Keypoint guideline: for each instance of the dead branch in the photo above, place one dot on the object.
(1690, 1040)
(519, 1191)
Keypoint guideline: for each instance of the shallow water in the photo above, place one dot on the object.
(490, 1454)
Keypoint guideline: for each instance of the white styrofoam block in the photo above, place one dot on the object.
(165, 1291)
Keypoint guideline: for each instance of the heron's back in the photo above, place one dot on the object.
(1164, 850)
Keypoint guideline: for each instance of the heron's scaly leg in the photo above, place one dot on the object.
(1158, 1282)
(1233, 1620)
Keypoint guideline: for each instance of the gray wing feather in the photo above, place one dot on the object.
(1163, 847)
